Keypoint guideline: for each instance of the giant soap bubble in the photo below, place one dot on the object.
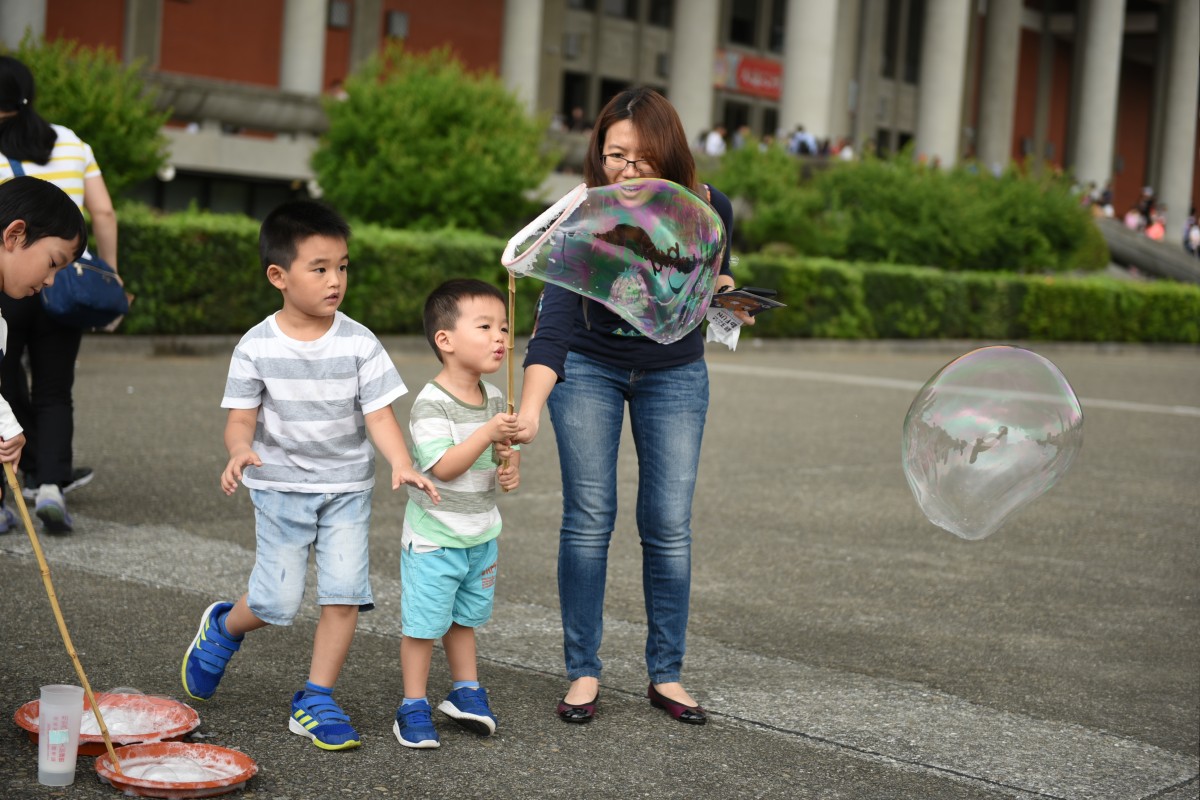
(990, 432)
(647, 249)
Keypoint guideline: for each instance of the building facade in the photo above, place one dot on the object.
(1106, 89)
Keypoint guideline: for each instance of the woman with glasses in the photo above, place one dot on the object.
(587, 365)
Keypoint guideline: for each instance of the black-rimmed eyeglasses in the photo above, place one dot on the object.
(616, 163)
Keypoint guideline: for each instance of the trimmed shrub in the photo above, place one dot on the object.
(901, 212)
(104, 101)
(198, 273)
(419, 143)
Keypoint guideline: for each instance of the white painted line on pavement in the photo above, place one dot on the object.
(903, 724)
(915, 386)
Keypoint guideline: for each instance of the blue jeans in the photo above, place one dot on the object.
(667, 408)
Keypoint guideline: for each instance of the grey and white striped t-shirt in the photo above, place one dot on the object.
(311, 398)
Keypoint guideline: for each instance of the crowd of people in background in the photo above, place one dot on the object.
(1147, 216)
(799, 142)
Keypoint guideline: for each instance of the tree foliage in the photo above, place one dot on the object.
(104, 101)
(902, 212)
(420, 143)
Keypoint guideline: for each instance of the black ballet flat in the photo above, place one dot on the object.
(692, 715)
(578, 714)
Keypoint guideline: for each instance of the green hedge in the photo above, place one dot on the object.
(835, 299)
(198, 273)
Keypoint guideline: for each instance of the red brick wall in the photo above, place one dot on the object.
(93, 23)
(473, 29)
(227, 39)
(1135, 106)
(1025, 114)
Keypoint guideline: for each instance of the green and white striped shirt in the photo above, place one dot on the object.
(467, 515)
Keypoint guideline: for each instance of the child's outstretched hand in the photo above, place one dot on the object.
(232, 475)
(502, 427)
(408, 475)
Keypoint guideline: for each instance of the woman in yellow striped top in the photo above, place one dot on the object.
(44, 409)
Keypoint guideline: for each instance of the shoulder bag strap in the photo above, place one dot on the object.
(18, 170)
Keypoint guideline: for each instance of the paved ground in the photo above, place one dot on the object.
(847, 647)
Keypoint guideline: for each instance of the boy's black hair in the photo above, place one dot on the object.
(290, 224)
(45, 209)
(442, 305)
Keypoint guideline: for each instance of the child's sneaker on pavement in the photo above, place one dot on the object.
(321, 719)
(469, 708)
(207, 656)
(8, 520)
(51, 509)
(414, 726)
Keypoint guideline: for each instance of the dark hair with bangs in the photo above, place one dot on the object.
(290, 224)
(442, 305)
(659, 132)
(45, 209)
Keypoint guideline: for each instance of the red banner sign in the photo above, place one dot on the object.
(760, 77)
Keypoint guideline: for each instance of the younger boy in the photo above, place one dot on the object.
(448, 553)
(41, 231)
(303, 384)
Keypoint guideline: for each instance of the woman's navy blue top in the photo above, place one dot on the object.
(570, 322)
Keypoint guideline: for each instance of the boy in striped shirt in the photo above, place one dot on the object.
(305, 387)
(461, 439)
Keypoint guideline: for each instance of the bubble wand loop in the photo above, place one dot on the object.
(512, 330)
(62, 624)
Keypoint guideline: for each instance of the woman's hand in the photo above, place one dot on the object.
(724, 284)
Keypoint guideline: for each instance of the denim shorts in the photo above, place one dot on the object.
(288, 526)
(446, 585)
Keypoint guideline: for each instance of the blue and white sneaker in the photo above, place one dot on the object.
(469, 708)
(321, 719)
(8, 520)
(414, 726)
(207, 656)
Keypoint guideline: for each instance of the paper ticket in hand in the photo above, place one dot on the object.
(723, 327)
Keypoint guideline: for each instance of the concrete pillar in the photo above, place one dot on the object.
(870, 56)
(939, 98)
(809, 38)
(143, 32)
(998, 95)
(1095, 128)
(19, 16)
(366, 31)
(1045, 87)
(1178, 156)
(693, 59)
(521, 51)
(302, 65)
(843, 88)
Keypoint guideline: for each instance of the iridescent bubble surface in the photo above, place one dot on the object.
(647, 249)
(992, 431)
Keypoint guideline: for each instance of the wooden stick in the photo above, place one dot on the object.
(512, 336)
(62, 624)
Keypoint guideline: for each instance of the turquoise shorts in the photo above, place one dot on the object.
(446, 585)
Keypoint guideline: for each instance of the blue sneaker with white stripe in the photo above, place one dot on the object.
(208, 655)
(414, 726)
(469, 708)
